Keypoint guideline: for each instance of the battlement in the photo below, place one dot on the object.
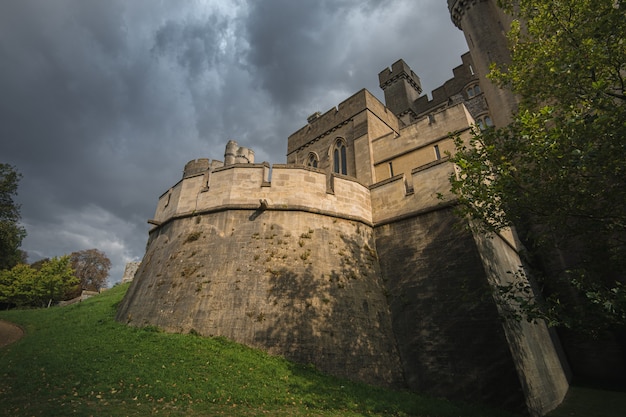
(399, 70)
(403, 196)
(324, 124)
(299, 188)
(195, 167)
(247, 187)
(401, 87)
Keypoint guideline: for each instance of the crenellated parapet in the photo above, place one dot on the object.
(401, 86)
(248, 187)
(195, 167)
(299, 188)
(425, 189)
(347, 112)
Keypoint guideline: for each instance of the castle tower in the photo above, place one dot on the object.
(484, 25)
(541, 367)
(401, 86)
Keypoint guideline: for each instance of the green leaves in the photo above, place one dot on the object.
(558, 171)
(23, 285)
(11, 233)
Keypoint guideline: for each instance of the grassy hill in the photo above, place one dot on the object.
(77, 360)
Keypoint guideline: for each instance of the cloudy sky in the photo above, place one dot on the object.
(103, 102)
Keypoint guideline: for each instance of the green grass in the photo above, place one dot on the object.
(77, 360)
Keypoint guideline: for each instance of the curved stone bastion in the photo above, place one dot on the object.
(288, 266)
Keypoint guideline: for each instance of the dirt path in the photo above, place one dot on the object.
(9, 333)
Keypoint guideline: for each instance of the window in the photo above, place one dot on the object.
(437, 152)
(312, 160)
(484, 122)
(390, 169)
(473, 91)
(340, 163)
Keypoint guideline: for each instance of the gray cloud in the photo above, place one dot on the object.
(104, 102)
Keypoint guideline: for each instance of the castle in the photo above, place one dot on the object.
(350, 256)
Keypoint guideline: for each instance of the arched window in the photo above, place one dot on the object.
(484, 122)
(473, 91)
(340, 163)
(312, 160)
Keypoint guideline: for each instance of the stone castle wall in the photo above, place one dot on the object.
(336, 117)
(244, 186)
(294, 283)
(381, 284)
(449, 333)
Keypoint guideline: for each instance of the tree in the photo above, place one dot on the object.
(55, 278)
(24, 285)
(558, 172)
(91, 267)
(11, 233)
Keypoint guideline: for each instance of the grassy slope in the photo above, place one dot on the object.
(77, 360)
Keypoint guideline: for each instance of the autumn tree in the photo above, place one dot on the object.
(11, 233)
(91, 267)
(558, 171)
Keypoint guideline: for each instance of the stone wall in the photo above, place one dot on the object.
(542, 369)
(298, 284)
(449, 334)
(414, 147)
(293, 187)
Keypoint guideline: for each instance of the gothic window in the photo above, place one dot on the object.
(437, 152)
(340, 163)
(312, 160)
(473, 91)
(484, 122)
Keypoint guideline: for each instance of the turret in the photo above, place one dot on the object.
(230, 153)
(235, 154)
(401, 86)
(195, 166)
(244, 156)
(485, 25)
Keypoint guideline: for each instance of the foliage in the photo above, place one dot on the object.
(558, 172)
(77, 360)
(23, 285)
(91, 267)
(11, 233)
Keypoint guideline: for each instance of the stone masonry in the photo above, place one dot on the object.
(349, 256)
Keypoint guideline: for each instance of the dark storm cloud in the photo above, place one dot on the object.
(103, 102)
